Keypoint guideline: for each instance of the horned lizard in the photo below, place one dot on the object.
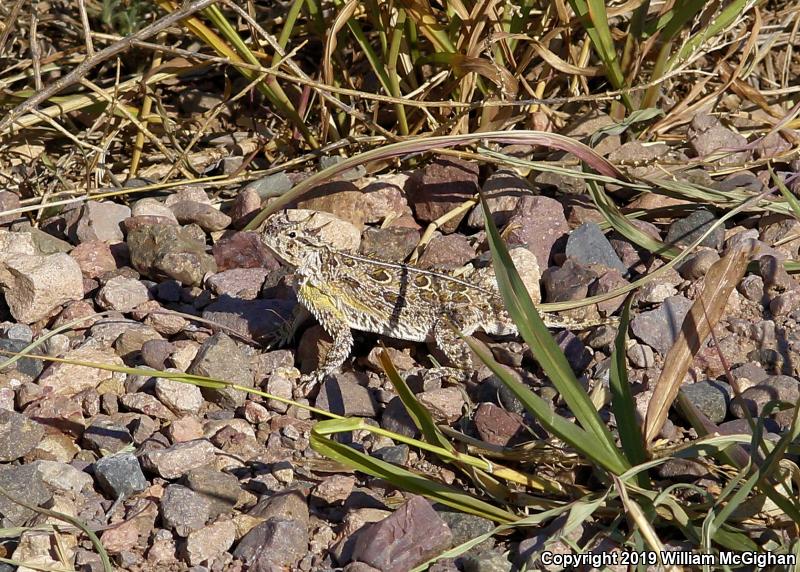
(346, 292)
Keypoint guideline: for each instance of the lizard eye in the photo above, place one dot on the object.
(291, 234)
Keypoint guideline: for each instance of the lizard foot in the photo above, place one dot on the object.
(308, 382)
(451, 375)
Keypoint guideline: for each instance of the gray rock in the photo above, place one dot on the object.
(105, 436)
(774, 387)
(588, 245)
(709, 396)
(343, 395)
(167, 251)
(395, 454)
(27, 366)
(18, 435)
(220, 489)
(465, 527)
(490, 561)
(146, 404)
(659, 328)
(409, 536)
(288, 504)
(256, 319)
(219, 357)
(120, 475)
(153, 207)
(183, 510)
(22, 482)
(209, 542)
(276, 541)
(685, 231)
(271, 185)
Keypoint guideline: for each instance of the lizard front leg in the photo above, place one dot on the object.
(333, 322)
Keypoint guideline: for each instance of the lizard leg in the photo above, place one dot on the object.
(288, 330)
(454, 348)
(333, 322)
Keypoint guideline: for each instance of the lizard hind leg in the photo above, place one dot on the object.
(454, 348)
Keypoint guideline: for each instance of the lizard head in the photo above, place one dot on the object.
(292, 238)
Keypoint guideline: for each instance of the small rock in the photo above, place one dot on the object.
(334, 489)
(184, 429)
(289, 504)
(94, 258)
(183, 510)
(35, 286)
(393, 244)
(153, 208)
(588, 245)
(208, 542)
(245, 207)
(446, 403)
(280, 384)
(698, 264)
(497, 426)
(243, 250)
(106, 436)
(343, 395)
(22, 482)
(409, 536)
(68, 379)
(180, 398)
(177, 460)
(63, 477)
(659, 328)
(242, 283)
(440, 187)
(146, 404)
(204, 215)
(537, 224)
(709, 396)
(641, 355)
(15, 243)
(774, 275)
(18, 435)
(8, 202)
(122, 294)
(167, 251)
(120, 475)
(569, 282)
(502, 192)
(446, 252)
(384, 198)
(342, 199)
(257, 319)
(707, 135)
(220, 489)
(752, 288)
(99, 220)
(685, 231)
(221, 358)
(277, 542)
(774, 387)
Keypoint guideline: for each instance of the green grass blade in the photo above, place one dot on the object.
(421, 417)
(406, 480)
(622, 403)
(547, 352)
